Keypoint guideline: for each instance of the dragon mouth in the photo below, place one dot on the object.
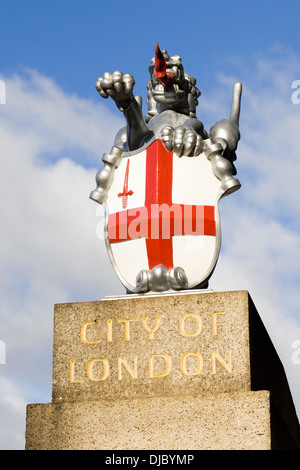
(170, 94)
(160, 89)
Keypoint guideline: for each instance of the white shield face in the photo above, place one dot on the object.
(163, 211)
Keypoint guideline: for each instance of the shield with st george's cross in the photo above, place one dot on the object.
(162, 220)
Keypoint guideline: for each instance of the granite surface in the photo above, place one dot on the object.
(236, 421)
(151, 346)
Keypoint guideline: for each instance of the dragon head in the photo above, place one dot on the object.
(170, 87)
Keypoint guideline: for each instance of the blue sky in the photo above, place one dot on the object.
(54, 129)
(73, 41)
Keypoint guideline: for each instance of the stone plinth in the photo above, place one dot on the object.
(225, 421)
(192, 370)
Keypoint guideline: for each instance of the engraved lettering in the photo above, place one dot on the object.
(156, 326)
(216, 323)
(72, 373)
(168, 365)
(216, 356)
(183, 366)
(90, 370)
(109, 331)
(83, 336)
(182, 326)
(127, 329)
(191, 364)
(132, 372)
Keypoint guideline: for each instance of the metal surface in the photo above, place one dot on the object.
(172, 100)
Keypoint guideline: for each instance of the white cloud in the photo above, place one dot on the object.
(12, 412)
(49, 249)
(51, 145)
(39, 111)
(261, 240)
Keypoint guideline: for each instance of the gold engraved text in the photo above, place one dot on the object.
(109, 331)
(215, 356)
(90, 370)
(216, 323)
(83, 333)
(156, 326)
(126, 322)
(146, 359)
(183, 365)
(72, 373)
(198, 324)
(167, 365)
(132, 371)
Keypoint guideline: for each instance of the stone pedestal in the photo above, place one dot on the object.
(189, 370)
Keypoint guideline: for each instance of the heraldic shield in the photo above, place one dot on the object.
(162, 226)
(163, 179)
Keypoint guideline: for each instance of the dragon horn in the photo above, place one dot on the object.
(164, 78)
(160, 63)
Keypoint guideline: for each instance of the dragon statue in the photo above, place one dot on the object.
(172, 99)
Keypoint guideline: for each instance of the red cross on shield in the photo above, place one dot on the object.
(171, 216)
